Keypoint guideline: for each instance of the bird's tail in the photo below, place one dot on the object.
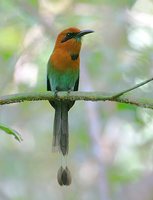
(57, 128)
(61, 132)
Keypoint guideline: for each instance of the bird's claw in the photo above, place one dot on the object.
(55, 93)
(69, 90)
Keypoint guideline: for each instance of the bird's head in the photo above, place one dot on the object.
(70, 39)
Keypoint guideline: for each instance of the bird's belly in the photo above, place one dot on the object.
(64, 81)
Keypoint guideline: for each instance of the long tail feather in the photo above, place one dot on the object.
(60, 131)
(57, 128)
(64, 139)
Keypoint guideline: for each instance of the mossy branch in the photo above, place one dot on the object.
(87, 96)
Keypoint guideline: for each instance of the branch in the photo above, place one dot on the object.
(87, 96)
(132, 88)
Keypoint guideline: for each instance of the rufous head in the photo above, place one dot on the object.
(70, 39)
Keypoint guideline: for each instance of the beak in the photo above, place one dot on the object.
(82, 33)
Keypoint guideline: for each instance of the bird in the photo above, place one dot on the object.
(63, 71)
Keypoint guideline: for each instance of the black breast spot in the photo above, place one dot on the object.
(74, 56)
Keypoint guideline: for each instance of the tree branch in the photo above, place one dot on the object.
(132, 88)
(87, 96)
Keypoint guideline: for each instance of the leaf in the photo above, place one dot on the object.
(11, 132)
(129, 107)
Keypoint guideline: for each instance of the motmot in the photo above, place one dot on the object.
(63, 70)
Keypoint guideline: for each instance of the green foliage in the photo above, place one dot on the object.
(10, 131)
(33, 2)
(121, 107)
(10, 40)
(116, 3)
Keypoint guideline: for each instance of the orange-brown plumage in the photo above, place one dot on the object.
(62, 61)
(61, 57)
(63, 75)
(70, 45)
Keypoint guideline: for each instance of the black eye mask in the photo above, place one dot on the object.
(68, 37)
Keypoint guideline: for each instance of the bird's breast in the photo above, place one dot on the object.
(63, 61)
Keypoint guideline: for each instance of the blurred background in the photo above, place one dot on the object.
(111, 144)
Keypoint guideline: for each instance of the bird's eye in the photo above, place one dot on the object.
(69, 34)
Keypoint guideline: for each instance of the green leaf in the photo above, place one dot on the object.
(129, 107)
(11, 132)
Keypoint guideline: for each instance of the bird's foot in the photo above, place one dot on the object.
(69, 90)
(56, 93)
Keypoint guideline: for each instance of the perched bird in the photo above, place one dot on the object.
(63, 75)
